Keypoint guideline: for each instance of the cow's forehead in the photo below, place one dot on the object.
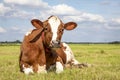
(54, 22)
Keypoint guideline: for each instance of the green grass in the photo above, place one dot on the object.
(105, 59)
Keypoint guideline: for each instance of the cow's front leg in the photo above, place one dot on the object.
(42, 69)
(59, 65)
(27, 69)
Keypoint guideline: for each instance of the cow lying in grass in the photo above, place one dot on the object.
(42, 49)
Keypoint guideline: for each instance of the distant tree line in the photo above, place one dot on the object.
(114, 42)
(16, 41)
(19, 42)
(13, 43)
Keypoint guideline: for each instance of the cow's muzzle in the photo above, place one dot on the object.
(55, 44)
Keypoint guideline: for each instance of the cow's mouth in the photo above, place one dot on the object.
(55, 46)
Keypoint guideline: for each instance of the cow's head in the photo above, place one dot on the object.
(53, 29)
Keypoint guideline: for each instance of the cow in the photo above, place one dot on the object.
(41, 47)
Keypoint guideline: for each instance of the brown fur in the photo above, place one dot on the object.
(32, 54)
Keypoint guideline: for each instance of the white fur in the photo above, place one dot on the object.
(69, 55)
(59, 67)
(27, 70)
(54, 22)
(29, 32)
(42, 69)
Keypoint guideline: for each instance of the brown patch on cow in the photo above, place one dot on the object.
(51, 58)
(61, 53)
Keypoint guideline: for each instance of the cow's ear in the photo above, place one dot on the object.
(70, 25)
(35, 35)
(37, 23)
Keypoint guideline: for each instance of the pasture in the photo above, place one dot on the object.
(105, 60)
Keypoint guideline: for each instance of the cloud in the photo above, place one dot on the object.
(69, 13)
(4, 9)
(113, 24)
(85, 17)
(2, 30)
(117, 20)
(63, 9)
(34, 3)
(66, 12)
(22, 14)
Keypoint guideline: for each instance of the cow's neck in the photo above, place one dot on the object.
(43, 37)
(47, 49)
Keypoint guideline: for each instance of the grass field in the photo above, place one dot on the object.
(105, 59)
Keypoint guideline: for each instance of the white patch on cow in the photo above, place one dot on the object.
(54, 22)
(42, 69)
(68, 52)
(69, 55)
(59, 67)
(28, 70)
(29, 32)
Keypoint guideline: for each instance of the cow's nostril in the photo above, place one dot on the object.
(55, 42)
(58, 41)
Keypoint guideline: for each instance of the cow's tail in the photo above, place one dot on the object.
(81, 65)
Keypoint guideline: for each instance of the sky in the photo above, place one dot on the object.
(98, 20)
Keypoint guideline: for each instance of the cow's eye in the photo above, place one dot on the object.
(62, 29)
(46, 28)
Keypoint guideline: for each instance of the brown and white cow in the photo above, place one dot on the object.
(38, 51)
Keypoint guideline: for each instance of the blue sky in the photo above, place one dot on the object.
(98, 20)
